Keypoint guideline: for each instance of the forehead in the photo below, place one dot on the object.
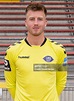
(31, 13)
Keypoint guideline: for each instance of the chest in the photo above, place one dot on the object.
(29, 60)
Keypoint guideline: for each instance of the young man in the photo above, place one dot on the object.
(35, 66)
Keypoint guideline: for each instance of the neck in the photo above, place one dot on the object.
(35, 40)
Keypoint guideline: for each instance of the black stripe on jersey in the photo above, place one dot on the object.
(57, 43)
(62, 46)
(11, 45)
(52, 41)
(19, 42)
(14, 44)
(8, 47)
(64, 52)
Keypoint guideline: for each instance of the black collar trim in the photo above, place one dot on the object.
(44, 42)
(27, 42)
(41, 44)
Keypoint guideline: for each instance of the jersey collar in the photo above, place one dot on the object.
(31, 46)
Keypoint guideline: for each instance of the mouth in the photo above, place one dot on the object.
(35, 28)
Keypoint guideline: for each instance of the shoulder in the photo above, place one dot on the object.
(57, 47)
(15, 47)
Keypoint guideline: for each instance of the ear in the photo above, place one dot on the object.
(46, 23)
(25, 23)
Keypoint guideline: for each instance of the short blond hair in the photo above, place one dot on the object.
(34, 6)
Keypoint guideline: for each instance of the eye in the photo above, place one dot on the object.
(40, 19)
(32, 19)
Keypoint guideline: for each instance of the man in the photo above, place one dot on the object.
(35, 66)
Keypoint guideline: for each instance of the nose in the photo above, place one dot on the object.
(36, 22)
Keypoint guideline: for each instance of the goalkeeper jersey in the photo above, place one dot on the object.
(35, 73)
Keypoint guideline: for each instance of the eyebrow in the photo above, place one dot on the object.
(37, 17)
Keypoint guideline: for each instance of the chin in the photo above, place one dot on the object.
(36, 34)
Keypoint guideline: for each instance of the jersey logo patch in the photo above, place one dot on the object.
(7, 65)
(65, 61)
(48, 58)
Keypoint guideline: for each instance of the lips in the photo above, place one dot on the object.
(35, 28)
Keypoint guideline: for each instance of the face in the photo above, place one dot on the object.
(35, 22)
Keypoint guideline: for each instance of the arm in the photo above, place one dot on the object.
(61, 78)
(10, 73)
(61, 74)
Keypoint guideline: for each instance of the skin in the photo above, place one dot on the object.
(35, 23)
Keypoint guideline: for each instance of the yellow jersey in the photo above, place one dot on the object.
(30, 71)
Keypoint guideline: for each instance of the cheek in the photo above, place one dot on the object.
(29, 25)
(43, 25)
